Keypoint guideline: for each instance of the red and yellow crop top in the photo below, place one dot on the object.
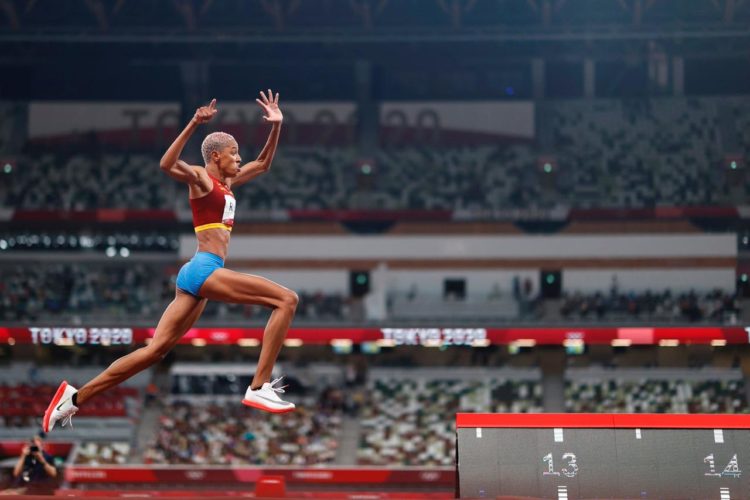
(215, 210)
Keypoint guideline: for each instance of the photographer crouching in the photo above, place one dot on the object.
(34, 472)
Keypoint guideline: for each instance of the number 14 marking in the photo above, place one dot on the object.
(732, 469)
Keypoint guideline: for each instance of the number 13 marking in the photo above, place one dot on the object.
(570, 469)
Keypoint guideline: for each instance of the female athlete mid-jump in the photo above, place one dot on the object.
(204, 277)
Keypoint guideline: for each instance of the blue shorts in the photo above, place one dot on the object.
(192, 275)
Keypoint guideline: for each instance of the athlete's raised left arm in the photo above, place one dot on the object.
(272, 115)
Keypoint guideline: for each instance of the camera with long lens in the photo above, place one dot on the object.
(29, 463)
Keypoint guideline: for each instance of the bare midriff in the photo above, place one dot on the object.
(215, 241)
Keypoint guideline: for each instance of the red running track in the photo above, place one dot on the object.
(290, 495)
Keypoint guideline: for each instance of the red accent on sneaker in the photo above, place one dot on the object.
(265, 408)
(55, 400)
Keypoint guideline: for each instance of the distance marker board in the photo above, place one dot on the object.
(597, 456)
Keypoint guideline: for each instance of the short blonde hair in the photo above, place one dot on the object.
(215, 141)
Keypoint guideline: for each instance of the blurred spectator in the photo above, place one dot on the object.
(79, 292)
(692, 306)
(34, 292)
(656, 396)
(610, 153)
(123, 290)
(35, 471)
(152, 393)
(95, 454)
(412, 421)
(231, 434)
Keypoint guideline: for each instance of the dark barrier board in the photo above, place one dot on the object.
(569, 463)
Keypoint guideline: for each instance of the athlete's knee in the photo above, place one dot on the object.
(156, 352)
(289, 300)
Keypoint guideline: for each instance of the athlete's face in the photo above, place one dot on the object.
(230, 160)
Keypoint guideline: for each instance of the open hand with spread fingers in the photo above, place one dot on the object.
(270, 105)
(205, 113)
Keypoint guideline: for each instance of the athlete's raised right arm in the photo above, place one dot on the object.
(170, 163)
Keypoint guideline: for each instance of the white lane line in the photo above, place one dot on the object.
(558, 435)
(718, 436)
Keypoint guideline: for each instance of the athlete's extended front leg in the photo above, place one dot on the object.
(237, 288)
(177, 319)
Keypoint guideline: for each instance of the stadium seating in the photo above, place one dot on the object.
(664, 306)
(202, 420)
(118, 291)
(27, 388)
(655, 391)
(609, 153)
(87, 181)
(78, 289)
(223, 431)
(23, 405)
(93, 453)
(408, 417)
(639, 153)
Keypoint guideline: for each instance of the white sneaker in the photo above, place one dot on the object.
(266, 398)
(61, 407)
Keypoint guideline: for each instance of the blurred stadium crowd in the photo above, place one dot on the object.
(606, 153)
(118, 291)
(624, 138)
(396, 416)
(78, 291)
